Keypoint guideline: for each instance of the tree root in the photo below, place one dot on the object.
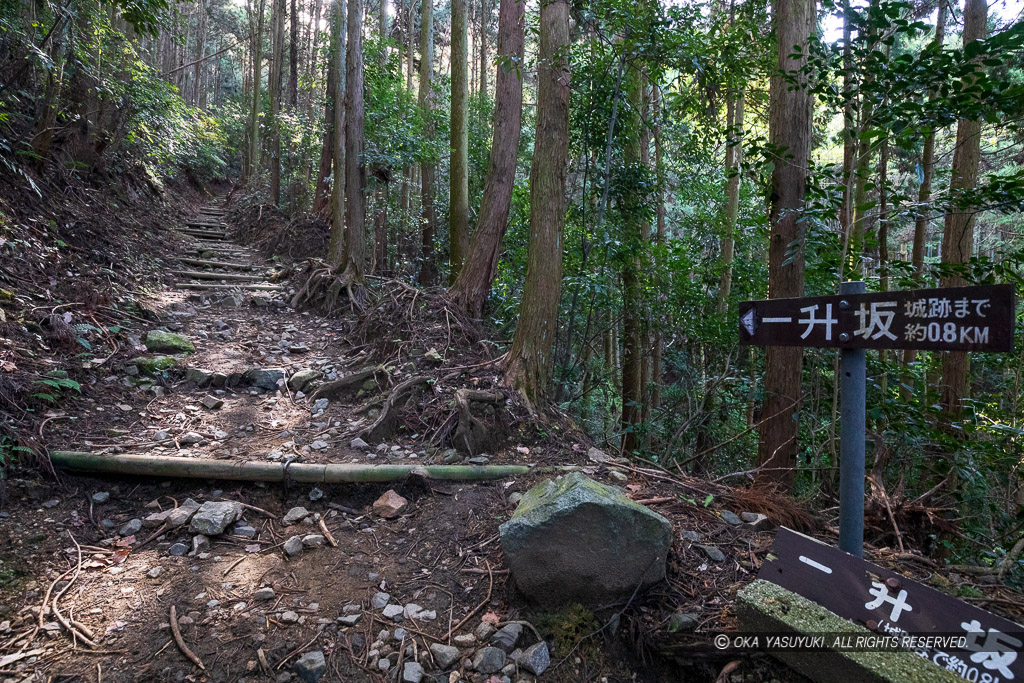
(384, 426)
(332, 389)
(472, 434)
(324, 285)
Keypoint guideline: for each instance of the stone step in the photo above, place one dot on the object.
(251, 288)
(205, 234)
(217, 264)
(208, 275)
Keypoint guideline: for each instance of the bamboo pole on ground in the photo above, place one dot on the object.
(241, 470)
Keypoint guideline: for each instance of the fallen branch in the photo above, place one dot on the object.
(180, 642)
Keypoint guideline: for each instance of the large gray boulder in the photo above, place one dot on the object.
(213, 517)
(573, 539)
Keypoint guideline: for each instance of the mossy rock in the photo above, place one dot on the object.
(155, 365)
(573, 539)
(158, 341)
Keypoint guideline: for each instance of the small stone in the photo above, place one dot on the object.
(52, 503)
(536, 658)
(101, 497)
(190, 439)
(478, 460)
(713, 553)
(444, 655)
(394, 612)
(730, 518)
(200, 544)
(412, 672)
(212, 402)
(489, 660)
(264, 378)
(618, 476)
(264, 594)
(289, 617)
(412, 611)
(755, 521)
(244, 530)
(514, 498)
(383, 664)
(400, 634)
(358, 443)
(310, 667)
(390, 505)
(293, 546)
(484, 631)
(349, 619)
(295, 515)
(691, 536)
(380, 600)
(213, 517)
(130, 528)
(301, 379)
(313, 541)
(319, 406)
(178, 549)
(316, 494)
(683, 622)
(198, 376)
(465, 640)
(155, 572)
(319, 445)
(158, 341)
(507, 637)
(161, 435)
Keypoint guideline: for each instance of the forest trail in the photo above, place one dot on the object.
(304, 569)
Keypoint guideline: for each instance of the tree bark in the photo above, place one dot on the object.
(336, 246)
(733, 159)
(254, 113)
(529, 359)
(293, 58)
(958, 233)
(631, 207)
(355, 170)
(483, 47)
(275, 102)
(321, 192)
(924, 192)
(428, 269)
(789, 126)
(473, 285)
(458, 176)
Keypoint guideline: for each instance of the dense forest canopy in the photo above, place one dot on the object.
(601, 184)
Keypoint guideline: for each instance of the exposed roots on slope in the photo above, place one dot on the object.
(324, 286)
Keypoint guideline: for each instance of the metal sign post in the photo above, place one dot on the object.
(852, 428)
(950, 319)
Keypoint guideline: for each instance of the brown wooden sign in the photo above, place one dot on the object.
(892, 604)
(951, 319)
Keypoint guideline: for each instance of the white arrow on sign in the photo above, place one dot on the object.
(748, 322)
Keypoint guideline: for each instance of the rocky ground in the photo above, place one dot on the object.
(171, 579)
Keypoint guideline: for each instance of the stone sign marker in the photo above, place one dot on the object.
(888, 603)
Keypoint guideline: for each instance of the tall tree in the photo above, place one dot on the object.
(257, 70)
(529, 359)
(789, 134)
(336, 246)
(355, 169)
(458, 173)
(473, 285)
(293, 57)
(276, 76)
(484, 15)
(428, 269)
(958, 232)
(632, 208)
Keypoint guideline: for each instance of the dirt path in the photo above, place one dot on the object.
(245, 607)
(261, 597)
